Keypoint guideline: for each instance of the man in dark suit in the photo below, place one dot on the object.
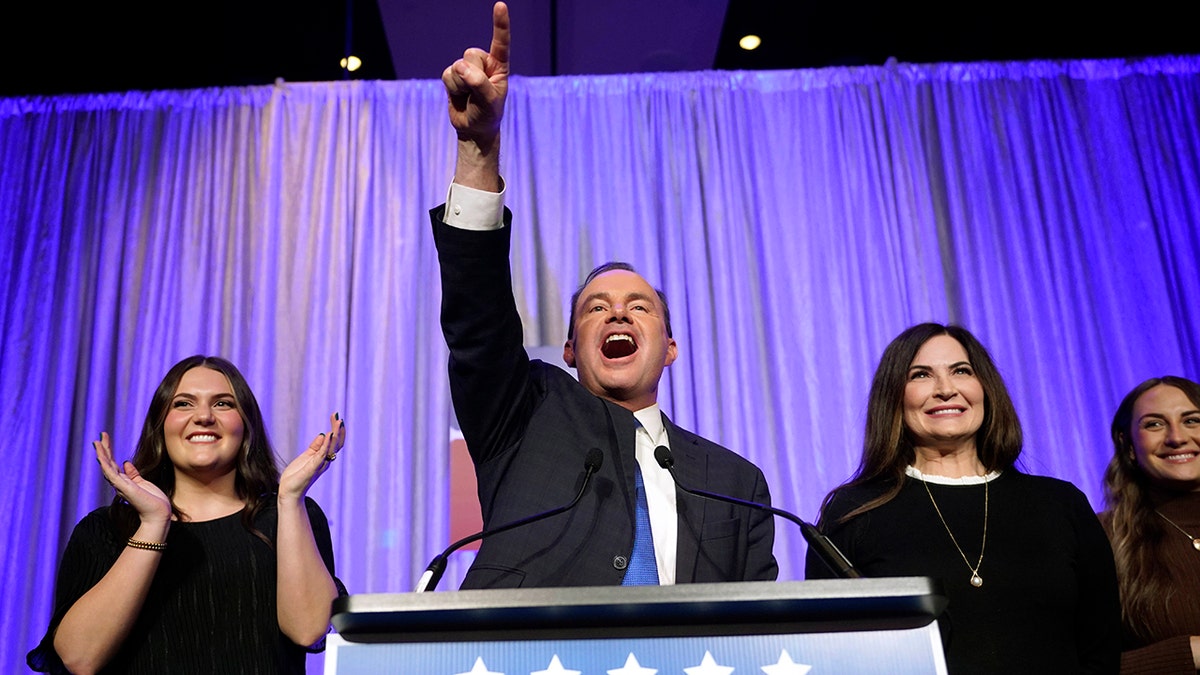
(529, 425)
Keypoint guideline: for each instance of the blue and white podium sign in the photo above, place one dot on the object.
(786, 628)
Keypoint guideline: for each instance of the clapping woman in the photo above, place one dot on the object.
(208, 560)
(1024, 562)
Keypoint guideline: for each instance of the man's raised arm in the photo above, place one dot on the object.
(477, 85)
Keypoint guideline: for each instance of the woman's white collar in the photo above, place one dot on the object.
(945, 480)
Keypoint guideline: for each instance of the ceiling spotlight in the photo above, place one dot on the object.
(750, 42)
(351, 63)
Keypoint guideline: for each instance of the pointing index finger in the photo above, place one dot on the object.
(500, 33)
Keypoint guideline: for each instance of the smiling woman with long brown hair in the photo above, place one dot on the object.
(1022, 559)
(1152, 487)
(208, 559)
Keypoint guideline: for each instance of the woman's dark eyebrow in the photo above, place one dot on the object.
(930, 368)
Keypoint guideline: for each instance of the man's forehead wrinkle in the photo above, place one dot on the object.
(608, 295)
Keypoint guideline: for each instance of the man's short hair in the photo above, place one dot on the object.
(609, 267)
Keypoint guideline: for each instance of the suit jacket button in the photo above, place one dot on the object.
(620, 562)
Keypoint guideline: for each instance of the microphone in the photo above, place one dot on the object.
(437, 566)
(819, 542)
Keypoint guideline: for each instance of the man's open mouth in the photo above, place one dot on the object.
(618, 345)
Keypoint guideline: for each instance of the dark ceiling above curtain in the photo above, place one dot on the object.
(51, 47)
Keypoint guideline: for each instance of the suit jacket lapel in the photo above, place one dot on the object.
(624, 429)
(692, 471)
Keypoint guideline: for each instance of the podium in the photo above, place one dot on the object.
(779, 628)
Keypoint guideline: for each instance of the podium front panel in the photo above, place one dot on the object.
(778, 628)
(916, 651)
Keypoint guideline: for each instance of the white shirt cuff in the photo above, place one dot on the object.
(471, 209)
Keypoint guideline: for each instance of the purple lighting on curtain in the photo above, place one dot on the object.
(797, 220)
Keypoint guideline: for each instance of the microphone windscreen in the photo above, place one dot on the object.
(662, 455)
(594, 460)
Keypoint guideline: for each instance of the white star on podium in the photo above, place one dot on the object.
(786, 666)
(708, 666)
(555, 668)
(480, 669)
(632, 667)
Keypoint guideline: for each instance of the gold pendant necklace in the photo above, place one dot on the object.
(1195, 540)
(976, 580)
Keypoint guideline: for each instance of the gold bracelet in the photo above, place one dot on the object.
(148, 545)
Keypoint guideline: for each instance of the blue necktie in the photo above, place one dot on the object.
(642, 570)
